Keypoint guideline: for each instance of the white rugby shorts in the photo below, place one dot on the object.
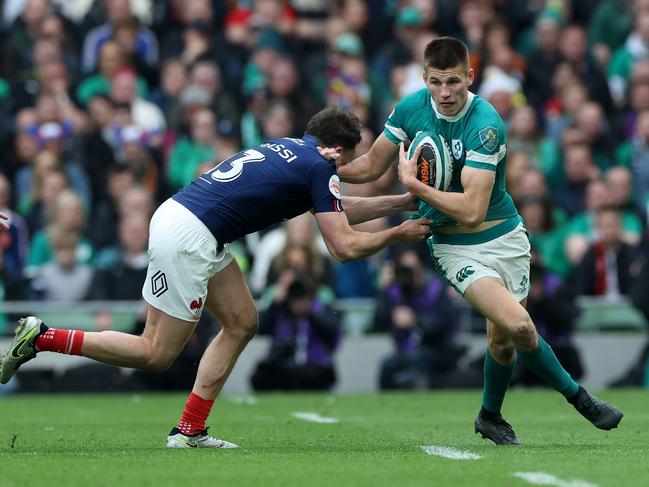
(506, 257)
(182, 258)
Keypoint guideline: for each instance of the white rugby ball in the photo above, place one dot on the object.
(435, 162)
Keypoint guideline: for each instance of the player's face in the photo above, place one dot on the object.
(449, 88)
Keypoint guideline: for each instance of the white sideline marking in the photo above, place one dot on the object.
(448, 452)
(247, 400)
(314, 417)
(542, 478)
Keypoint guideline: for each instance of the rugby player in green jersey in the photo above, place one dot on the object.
(478, 243)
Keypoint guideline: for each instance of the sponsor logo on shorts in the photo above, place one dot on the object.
(196, 305)
(159, 284)
(464, 273)
(524, 283)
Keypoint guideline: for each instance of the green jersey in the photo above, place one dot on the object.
(476, 136)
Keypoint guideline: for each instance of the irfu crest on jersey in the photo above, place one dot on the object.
(489, 138)
(456, 147)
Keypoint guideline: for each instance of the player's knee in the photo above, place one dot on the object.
(159, 362)
(524, 332)
(243, 325)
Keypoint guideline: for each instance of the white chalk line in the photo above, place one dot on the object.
(543, 478)
(450, 453)
(313, 417)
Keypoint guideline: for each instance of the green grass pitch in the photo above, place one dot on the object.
(118, 440)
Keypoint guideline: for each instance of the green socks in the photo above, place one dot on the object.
(496, 380)
(544, 362)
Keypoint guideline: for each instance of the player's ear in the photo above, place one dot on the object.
(470, 76)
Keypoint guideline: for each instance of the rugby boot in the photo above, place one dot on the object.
(22, 348)
(496, 429)
(603, 415)
(177, 439)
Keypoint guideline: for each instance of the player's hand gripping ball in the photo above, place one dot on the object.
(435, 162)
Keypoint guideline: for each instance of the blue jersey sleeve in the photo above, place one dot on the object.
(325, 189)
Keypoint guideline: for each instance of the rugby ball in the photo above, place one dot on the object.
(435, 163)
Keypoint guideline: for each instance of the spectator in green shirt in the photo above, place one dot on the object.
(111, 60)
(203, 145)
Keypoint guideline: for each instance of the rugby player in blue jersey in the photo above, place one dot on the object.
(191, 267)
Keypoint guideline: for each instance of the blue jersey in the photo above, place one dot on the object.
(262, 186)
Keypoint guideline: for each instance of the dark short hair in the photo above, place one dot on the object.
(334, 126)
(445, 53)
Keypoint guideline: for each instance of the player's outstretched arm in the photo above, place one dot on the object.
(360, 209)
(468, 208)
(372, 165)
(345, 243)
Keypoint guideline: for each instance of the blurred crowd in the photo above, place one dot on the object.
(107, 107)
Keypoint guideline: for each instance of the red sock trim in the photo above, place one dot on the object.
(60, 341)
(195, 414)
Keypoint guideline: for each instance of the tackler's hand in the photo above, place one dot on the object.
(407, 167)
(3, 223)
(414, 230)
(329, 153)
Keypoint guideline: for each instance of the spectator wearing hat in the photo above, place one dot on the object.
(268, 48)
(344, 77)
(408, 25)
(501, 89)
